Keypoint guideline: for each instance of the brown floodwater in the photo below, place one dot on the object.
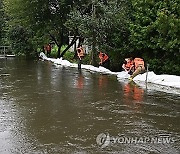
(46, 108)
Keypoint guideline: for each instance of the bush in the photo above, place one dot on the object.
(164, 67)
(21, 41)
(69, 56)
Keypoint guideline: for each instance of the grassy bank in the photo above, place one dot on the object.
(70, 56)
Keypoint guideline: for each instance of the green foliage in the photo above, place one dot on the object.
(1, 21)
(104, 24)
(43, 17)
(70, 57)
(164, 67)
(21, 44)
(154, 33)
(54, 51)
(86, 59)
(138, 28)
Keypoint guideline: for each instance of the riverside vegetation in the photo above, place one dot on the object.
(139, 28)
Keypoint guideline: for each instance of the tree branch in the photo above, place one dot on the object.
(54, 39)
(72, 42)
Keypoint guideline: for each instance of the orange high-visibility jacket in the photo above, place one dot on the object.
(128, 64)
(80, 52)
(103, 57)
(138, 62)
(48, 47)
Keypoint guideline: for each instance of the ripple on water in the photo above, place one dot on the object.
(63, 119)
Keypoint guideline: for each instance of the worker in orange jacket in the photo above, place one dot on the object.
(47, 48)
(128, 65)
(80, 54)
(104, 59)
(138, 66)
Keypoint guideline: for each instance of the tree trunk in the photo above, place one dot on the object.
(72, 42)
(58, 44)
(59, 51)
(94, 52)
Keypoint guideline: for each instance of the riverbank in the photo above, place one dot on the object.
(164, 79)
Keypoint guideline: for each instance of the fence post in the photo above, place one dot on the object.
(147, 69)
(4, 51)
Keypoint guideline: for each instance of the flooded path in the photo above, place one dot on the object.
(46, 108)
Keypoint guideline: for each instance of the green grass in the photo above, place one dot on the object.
(69, 55)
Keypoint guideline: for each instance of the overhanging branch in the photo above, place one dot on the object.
(54, 39)
(72, 42)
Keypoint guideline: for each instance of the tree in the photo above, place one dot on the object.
(103, 24)
(44, 18)
(154, 33)
(1, 21)
(20, 41)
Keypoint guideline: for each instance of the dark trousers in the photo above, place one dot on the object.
(106, 64)
(48, 53)
(79, 64)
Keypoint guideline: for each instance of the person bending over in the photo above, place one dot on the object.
(128, 65)
(104, 60)
(139, 67)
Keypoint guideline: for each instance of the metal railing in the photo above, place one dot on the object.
(5, 50)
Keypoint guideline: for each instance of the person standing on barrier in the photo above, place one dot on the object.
(80, 54)
(104, 60)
